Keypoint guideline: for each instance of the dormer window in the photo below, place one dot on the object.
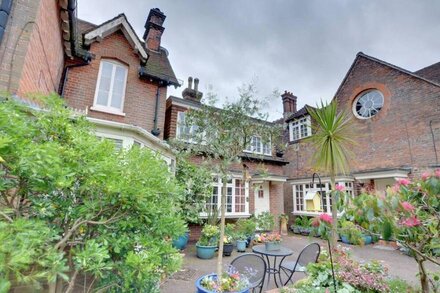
(257, 146)
(300, 128)
(110, 87)
(184, 132)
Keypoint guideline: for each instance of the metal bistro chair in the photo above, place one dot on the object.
(309, 254)
(254, 266)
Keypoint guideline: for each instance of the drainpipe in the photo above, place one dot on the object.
(433, 141)
(5, 10)
(156, 130)
(64, 77)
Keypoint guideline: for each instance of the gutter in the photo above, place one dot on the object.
(5, 10)
(156, 131)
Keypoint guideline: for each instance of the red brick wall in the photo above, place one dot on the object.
(140, 95)
(171, 119)
(31, 53)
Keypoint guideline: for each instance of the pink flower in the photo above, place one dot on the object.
(437, 173)
(403, 182)
(395, 188)
(407, 206)
(326, 218)
(411, 222)
(339, 187)
(425, 176)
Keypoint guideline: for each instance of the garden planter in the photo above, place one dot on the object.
(181, 242)
(296, 229)
(271, 246)
(283, 227)
(305, 231)
(390, 244)
(241, 245)
(367, 239)
(205, 252)
(201, 289)
(344, 239)
(227, 249)
(249, 240)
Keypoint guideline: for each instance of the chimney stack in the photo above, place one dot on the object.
(154, 29)
(192, 94)
(289, 104)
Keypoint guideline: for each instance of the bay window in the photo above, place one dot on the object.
(236, 199)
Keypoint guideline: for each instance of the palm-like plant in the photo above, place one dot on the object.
(332, 138)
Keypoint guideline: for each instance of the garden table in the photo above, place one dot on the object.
(274, 270)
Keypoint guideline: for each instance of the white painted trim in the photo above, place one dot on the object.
(109, 28)
(382, 174)
(269, 178)
(323, 180)
(108, 108)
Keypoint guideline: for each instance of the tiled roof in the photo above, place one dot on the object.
(158, 66)
(301, 112)
(431, 72)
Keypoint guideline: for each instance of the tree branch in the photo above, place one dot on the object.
(422, 254)
(6, 217)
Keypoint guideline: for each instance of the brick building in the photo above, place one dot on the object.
(103, 71)
(396, 117)
(264, 192)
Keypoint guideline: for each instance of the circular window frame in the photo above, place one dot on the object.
(360, 95)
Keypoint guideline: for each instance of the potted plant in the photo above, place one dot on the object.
(247, 227)
(305, 225)
(284, 218)
(350, 234)
(232, 281)
(207, 244)
(241, 240)
(181, 241)
(265, 222)
(271, 241)
(228, 246)
(296, 227)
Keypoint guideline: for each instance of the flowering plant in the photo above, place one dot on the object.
(411, 209)
(268, 237)
(231, 280)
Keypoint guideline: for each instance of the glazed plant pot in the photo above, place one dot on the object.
(181, 242)
(241, 245)
(201, 289)
(296, 229)
(368, 239)
(205, 252)
(305, 231)
(271, 246)
(344, 239)
(227, 249)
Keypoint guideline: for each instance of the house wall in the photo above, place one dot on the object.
(31, 53)
(140, 94)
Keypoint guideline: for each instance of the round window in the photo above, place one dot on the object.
(368, 104)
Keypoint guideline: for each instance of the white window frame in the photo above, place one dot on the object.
(349, 188)
(108, 108)
(261, 148)
(296, 124)
(192, 128)
(217, 182)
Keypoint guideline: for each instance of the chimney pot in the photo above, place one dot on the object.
(154, 29)
(190, 82)
(289, 104)
(192, 94)
(196, 84)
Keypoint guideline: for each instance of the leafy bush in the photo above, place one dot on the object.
(354, 235)
(399, 285)
(111, 213)
(265, 221)
(209, 236)
(246, 226)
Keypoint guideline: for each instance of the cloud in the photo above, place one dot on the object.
(302, 46)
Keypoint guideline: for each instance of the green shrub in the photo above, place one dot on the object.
(265, 221)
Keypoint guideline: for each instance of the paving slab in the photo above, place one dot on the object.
(399, 264)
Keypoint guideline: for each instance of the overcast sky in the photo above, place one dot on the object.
(302, 46)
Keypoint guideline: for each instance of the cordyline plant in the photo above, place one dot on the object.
(71, 205)
(332, 136)
(412, 209)
(221, 135)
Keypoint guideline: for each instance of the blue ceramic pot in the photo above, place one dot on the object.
(367, 239)
(201, 289)
(181, 242)
(241, 245)
(205, 252)
(344, 239)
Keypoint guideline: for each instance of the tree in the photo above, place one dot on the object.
(412, 211)
(221, 135)
(71, 204)
(332, 137)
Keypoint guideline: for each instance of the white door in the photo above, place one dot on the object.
(261, 195)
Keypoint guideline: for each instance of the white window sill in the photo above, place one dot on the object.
(228, 215)
(107, 110)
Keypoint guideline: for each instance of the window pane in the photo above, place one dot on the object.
(118, 87)
(104, 84)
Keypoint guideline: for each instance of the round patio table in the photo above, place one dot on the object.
(282, 253)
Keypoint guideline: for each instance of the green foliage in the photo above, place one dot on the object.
(387, 230)
(96, 204)
(197, 189)
(401, 286)
(209, 236)
(246, 226)
(265, 221)
(354, 235)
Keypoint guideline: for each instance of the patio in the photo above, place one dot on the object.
(399, 264)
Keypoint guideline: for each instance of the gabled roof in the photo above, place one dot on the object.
(118, 23)
(300, 113)
(404, 71)
(431, 72)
